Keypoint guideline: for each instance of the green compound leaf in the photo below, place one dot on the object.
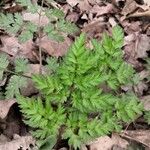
(30, 6)
(14, 85)
(3, 64)
(11, 23)
(118, 37)
(51, 13)
(81, 99)
(66, 26)
(21, 65)
(52, 64)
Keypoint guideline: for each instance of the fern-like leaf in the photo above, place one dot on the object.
(84, 89)
(14, 85)
(10, 23)
(30, 6)
(4, 63)
(21, 65)
(67, 27)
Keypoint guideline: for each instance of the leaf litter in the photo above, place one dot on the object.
(93, 17)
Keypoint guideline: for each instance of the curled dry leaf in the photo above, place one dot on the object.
(23, 143)
(5, 106)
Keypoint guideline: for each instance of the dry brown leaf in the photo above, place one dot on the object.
(94, 28)
(142, 46)
(146, 102)
(140, 88)
(132, 27)
(73, 2)
(12, 47)
(120, 142)
(3, 139)
(147, 2)
(82, 4)
(137, 45)
(112, 21)
(5, 106)
(23, 143)
(118, 2)
(129, 7)
(85, 6)
(101, 10)
(34, 18)
(106, 143)
(73, 16)
(102, 143)
(94, 2)
(141, 136)
(30, 88)
(129, 38)
(54, 48)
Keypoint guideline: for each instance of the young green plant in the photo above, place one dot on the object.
(81, 99)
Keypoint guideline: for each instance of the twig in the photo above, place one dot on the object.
(18, 74)
(141, 14)
(40, 36)
(124, 135)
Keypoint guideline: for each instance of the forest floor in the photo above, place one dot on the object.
(93, 17)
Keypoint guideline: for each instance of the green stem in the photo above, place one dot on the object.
(15, 73)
